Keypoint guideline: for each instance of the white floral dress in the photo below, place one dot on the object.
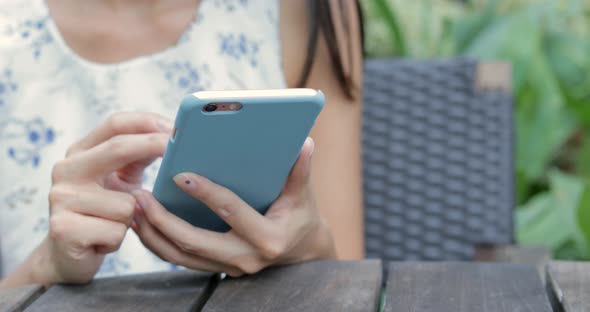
(50, 97)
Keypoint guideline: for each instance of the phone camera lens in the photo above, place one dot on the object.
(210, 107)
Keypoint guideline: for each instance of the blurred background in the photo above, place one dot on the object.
(548, 44)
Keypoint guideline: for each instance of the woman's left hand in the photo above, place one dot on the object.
(291, 231)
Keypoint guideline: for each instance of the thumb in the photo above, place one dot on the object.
(299, 176)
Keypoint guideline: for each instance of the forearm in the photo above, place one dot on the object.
(36, 269)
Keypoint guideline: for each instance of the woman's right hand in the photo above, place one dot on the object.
(90, 206)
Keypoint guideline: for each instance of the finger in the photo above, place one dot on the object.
(116, 153)
(85, 231)
(101, 203)
(242, 218)
(299, 177)
(168, 251)
(191, 239)
(123, 123)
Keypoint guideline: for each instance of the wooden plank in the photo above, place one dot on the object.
(454, 286)
(512, 253)
(537, 256)
(17, 299)
(569, 285)
(178, 291)
(314, 286)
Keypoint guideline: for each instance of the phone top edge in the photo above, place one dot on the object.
(271, 93)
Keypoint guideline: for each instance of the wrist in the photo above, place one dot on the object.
(325, 247)
(41, 266)
(36, 269)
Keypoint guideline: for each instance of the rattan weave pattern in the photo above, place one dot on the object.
(437, 161)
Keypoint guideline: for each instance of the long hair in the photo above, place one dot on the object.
(339, 21)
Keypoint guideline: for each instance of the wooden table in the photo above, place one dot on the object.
(328, 286)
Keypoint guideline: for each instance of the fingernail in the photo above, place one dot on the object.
(136, 217)
(141, 201)
(312, 143)
(184, 181)
(165, 125)
(138, 210)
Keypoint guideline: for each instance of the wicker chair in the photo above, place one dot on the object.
(437, 153)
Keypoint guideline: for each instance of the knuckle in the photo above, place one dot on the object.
(155, 137)
(59, 170)
(83, 243)
(189, 247)
(155, 218)
(73, 149)
(127, 208)
(156, 142)
(117, 144)
(174, 257)
(228, 208)
(58, 194)
(116, 122)
(250, 266)
(273, 249)
(118, 235)
(156, 222)
(234, 273)
(57, 227)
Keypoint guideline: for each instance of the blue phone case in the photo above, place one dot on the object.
(250, 151)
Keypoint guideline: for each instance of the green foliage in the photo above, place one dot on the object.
(548, 45)
(552, 219)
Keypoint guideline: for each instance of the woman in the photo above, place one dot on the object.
(70, 67)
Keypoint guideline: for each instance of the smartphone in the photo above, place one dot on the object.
(246, 141)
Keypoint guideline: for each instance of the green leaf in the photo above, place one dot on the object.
(464, 31)
(583, 217)
(396, 34)
(568, 56)
(550, 219)
(513, 38)
(582, 157)
(537, 219)
(540, 132)
(568, 193)
(523, 185)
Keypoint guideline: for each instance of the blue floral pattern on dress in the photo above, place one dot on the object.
(7, 87)
(230, 5)
(100, 103)
(34, 32)
(20, 197)
(113, 264)
(42, 225)
(26, 139)
(186, 77)
(239, 47)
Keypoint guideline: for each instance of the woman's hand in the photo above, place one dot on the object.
(90, 211)
(291, 231)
